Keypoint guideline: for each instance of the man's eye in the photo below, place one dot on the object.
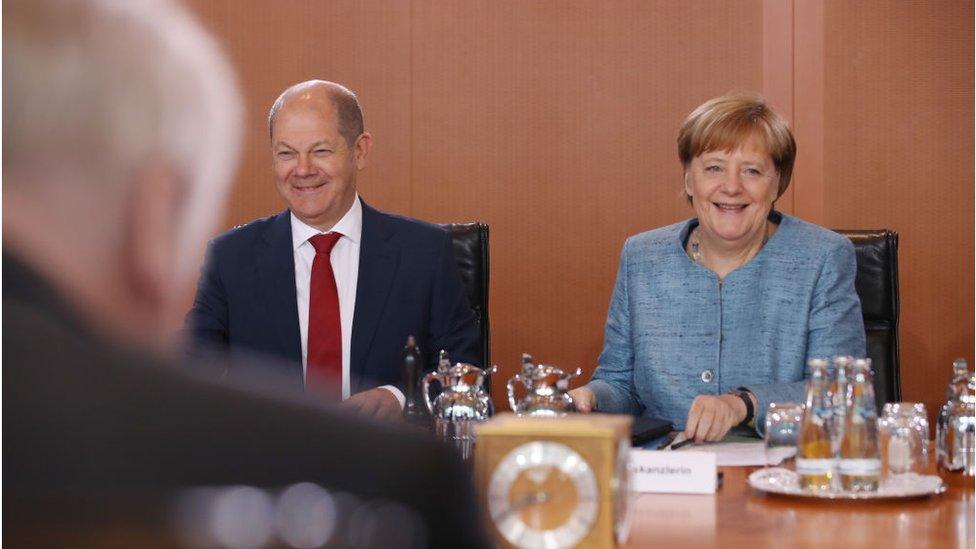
(284, 154)
(322, 151)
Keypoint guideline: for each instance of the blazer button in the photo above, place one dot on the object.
(707, 376)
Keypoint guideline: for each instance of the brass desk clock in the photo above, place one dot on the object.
(554, 482)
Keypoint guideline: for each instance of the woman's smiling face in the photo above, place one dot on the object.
(733, 191)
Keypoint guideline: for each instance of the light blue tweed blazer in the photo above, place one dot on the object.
(674, 332)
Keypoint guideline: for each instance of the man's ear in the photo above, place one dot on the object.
(151, 220)
(361, 149)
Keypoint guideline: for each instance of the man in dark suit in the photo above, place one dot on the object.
(121, 124)
(337, 316)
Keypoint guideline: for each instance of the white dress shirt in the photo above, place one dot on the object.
(345, 266)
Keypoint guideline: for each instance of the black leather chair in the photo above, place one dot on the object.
(471, 253)
(877, 286)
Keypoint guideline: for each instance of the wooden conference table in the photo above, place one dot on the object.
(739, 516)
(736, 516)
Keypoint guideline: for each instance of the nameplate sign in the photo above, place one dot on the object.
(685, 472)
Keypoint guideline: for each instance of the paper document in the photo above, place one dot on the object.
(738, 454)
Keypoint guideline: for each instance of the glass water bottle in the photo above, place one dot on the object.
(944, 436)
(838, 400)
(859, 465)
(815, 458)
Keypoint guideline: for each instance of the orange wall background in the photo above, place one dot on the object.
(555, 122)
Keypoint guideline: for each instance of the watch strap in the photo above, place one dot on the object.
(743, 393)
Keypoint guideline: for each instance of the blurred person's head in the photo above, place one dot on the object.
(121, 133)
(318, 145)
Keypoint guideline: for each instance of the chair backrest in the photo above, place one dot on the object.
(877, 286)
(471, 253)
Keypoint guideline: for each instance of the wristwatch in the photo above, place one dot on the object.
(744, 393)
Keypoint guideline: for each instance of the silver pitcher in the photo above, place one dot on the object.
(546, 390)
(462, 403)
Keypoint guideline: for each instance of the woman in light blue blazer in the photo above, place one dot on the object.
(713, 318)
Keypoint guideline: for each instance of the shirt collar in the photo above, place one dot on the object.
(350, 226)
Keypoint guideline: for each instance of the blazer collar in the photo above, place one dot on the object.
(276, 272)
(378, 261)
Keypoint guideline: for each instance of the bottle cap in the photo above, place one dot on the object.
(861, 367)
(842, 360)
(817, 363)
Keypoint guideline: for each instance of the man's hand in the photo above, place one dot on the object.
(712, 417)
(585, 399)
(375, 403)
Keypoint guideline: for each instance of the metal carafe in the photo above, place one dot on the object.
(462, 403)
(546, 390)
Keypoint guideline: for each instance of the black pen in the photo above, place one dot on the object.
(683, 443)
(668, 439)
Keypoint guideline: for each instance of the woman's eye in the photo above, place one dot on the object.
(713, 169)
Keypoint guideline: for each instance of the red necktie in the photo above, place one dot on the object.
(324, 372)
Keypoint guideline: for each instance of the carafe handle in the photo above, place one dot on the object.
(511, 392)
(425, 389)
(563, 382)
(483, 374)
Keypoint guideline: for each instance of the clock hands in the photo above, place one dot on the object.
(532, 498)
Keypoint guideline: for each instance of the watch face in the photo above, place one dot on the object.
(543, 494)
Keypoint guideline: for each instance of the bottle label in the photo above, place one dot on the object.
(870, 466)
(809, 466)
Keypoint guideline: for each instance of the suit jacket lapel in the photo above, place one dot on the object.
(378, 260)
(276, 276)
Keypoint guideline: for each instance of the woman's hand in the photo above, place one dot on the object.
(585, 399)
(712, 417)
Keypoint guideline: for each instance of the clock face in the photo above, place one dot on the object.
(622, 492)
(543, 494)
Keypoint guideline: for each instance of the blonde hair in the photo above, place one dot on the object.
(726, 122)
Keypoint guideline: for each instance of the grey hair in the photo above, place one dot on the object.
(107, 86)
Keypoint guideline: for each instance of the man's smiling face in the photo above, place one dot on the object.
(314, 166)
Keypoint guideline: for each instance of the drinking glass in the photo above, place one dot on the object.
(783, 420)
(904, 431)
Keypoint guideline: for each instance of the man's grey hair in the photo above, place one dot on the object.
(103, 88)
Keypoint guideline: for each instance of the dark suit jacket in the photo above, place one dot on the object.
(408, 285)
(83, 416)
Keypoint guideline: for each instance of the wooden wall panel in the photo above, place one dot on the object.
(808, 100)
(898, 112)
(777, 75)
(555, 122)
(362, 44)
